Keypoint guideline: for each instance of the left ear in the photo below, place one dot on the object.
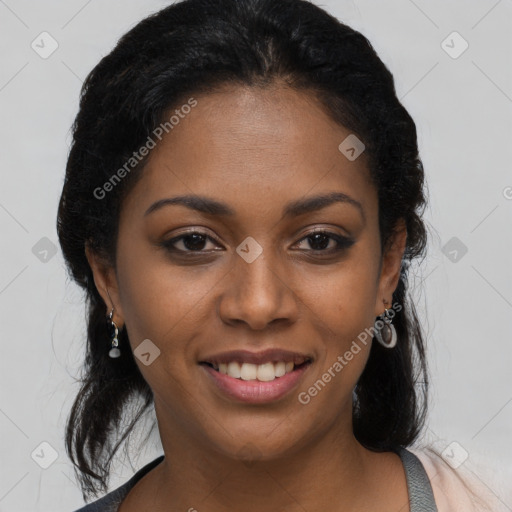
(390, 267)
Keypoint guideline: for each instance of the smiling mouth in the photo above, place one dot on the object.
(265, 372)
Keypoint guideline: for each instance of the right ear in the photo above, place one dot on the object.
(106, 283)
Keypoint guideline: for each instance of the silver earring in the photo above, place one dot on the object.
(386, 333)
(114, 332)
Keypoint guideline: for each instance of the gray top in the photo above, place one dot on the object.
(421, 497)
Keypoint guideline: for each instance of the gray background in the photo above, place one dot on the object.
(462, 109)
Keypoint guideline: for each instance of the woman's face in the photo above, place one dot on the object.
(251, 280)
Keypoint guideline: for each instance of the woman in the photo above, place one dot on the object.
(243, 198)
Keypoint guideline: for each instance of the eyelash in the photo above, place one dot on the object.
(343, 243)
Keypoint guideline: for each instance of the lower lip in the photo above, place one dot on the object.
(255, 391)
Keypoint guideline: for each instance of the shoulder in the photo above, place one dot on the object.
(108, 503)
(461, 489)
(111, 501)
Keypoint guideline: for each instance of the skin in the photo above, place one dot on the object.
(256, 150)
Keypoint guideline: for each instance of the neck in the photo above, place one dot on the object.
(331, 469)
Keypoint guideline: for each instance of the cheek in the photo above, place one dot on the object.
(160, 301)
(341, 304)
(341, 296)
(165, 304)
(343, 322)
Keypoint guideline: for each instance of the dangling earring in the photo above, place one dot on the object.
(114, 331)
(385, 334)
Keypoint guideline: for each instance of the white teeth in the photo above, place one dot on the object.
(280, 369)
(248, 371)
(234, 370)
(266, 372)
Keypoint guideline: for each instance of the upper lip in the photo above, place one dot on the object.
(270, 355)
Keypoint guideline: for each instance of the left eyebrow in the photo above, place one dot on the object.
(313, 203)
(210, 206)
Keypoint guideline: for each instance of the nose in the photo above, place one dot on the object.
(257, 294)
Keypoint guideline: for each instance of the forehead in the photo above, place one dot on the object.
(254, 148)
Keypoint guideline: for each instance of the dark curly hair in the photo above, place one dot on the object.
(198, 46)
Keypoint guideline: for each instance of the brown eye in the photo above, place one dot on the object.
(326, 241)
(192, 241)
